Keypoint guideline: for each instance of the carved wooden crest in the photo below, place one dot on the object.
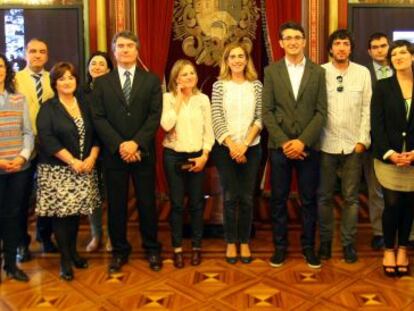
(206, 26)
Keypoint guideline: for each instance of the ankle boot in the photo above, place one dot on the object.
(66, 272)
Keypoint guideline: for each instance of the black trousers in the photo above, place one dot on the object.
(66, 234)
(43, 224)
(397, 217)
(11, 204)
(117, 181)
(180, 183)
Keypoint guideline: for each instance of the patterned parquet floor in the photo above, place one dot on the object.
(214, 285)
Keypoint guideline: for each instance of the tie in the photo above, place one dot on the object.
(38, 85)
(127, 86)
(384, 72)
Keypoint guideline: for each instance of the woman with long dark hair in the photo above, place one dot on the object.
(99, 64)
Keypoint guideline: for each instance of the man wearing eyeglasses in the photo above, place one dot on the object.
(294, 112)
(344, 139)
(379, 68)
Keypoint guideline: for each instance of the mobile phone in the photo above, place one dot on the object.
(183, 166)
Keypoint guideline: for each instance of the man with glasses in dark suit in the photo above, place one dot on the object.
(379, 68)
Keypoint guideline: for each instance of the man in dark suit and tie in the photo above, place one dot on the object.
(378, 45)
(294, 112)
(126, 111)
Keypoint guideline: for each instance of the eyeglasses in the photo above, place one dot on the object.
(289, 38)
(340, 87)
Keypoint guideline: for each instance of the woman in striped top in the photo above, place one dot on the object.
(16, 146)
(237, 122)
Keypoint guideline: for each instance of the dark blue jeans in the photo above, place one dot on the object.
(12, 186)
(281, 175)
(238, 182)
(181, 182)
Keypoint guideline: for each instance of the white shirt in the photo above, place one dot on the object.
(122, 77)
(190, 130)
(348, 118)
(295, 74)
(239, 104)
(32, 73)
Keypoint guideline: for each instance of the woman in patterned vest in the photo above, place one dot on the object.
(16, 145)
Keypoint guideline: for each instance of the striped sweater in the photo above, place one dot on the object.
(16, 137)
(220, 118)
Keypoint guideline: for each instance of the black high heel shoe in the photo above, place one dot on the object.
(390, 271)
(246, 260)
(403, 270)
(231, 260)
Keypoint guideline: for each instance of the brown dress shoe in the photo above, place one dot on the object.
(178, 260)
(195, 257)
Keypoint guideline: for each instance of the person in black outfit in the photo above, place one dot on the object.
(67, 178)
(98, 64)
(393, 144)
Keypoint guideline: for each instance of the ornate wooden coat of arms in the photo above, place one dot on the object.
(206, 26)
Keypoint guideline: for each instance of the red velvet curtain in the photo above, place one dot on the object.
(277, 13)
(154, 30)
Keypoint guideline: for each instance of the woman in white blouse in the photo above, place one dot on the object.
(237, 122)
(186, 117)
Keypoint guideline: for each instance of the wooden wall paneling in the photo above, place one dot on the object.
(92, 26)
(342, 13)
